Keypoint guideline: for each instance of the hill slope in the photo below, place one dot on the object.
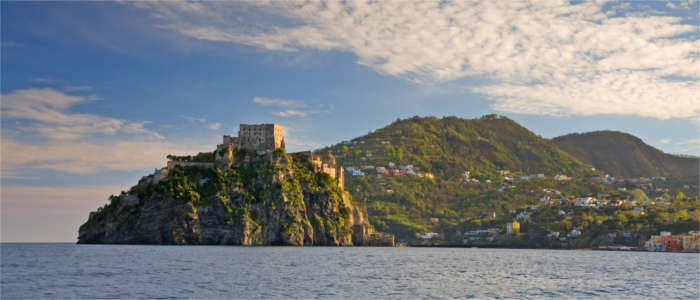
(622, 154)
(450, 146)
(409, 204)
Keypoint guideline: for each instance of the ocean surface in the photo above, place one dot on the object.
(111, 271)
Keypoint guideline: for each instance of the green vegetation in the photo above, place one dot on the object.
(621, 154)
(447, 148)
(409, 205)
(275, 198)
(200, 157)
(627, 224)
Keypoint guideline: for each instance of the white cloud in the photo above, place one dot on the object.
(295, 106)
(664, 141)
(87, 156)
(688, 146)
(278, 102)
(290, 113)
(215, 126)
(542, 57)
(48, 112)
(44, 80)
(196, 119)
(685, 4)
(51, 137)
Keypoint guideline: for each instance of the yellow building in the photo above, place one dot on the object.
(513, 227)
(691, 242)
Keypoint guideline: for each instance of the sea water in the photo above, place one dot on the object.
(131, 271)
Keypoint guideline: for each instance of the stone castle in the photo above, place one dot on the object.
(260, 139)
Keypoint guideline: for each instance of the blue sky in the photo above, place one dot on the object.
(95, 94)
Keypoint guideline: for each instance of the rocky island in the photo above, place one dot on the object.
(248, 191)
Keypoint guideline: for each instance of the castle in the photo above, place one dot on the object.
(260, 139)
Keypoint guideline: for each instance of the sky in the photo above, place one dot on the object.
(96, 94)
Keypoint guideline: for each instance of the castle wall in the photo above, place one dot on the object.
(224, 154)
(327, 164)
(174, 163)
(160, 174)
(262, 137)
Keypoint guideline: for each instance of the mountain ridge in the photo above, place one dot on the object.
(624, 155)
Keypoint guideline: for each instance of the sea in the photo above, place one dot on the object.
(62, 270)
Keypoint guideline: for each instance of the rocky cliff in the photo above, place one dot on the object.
(270, 199)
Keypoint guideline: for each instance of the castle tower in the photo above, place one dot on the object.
(262, 137)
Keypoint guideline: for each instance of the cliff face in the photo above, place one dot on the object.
(271, 199)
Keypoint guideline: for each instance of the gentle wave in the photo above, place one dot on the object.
(116, 271)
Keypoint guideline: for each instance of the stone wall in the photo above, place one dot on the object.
(381, 239)
(174, 163)
(224, 155)
(160, 174)
(327, 164)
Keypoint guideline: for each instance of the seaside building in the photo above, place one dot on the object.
(666, 242)
(513, 227)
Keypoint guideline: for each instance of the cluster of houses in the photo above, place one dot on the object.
(509, 180)
(493, 234)
(467, 178)
(588, 201)
(507, 177)
(429, 236)
(390, 170)
(666, 242)
(644, 183)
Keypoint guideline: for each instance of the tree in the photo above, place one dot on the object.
(680, 196)
(639, 195)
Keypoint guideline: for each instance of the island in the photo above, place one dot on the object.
(248, 191)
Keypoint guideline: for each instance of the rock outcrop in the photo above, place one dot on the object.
(270, 199)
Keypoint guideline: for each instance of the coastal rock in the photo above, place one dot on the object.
(270, 199)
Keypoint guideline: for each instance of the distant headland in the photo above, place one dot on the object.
(248, 191)
(485, 182)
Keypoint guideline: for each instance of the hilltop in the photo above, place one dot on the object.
(623, 155)
(450, 146)
(432, 174)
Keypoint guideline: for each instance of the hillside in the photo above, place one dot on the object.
(435, 153)
(449, 146)
(624, 155)
(270, 199)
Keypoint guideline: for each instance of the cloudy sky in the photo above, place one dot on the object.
(95, 94)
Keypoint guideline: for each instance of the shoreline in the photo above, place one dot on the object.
(605, 248)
